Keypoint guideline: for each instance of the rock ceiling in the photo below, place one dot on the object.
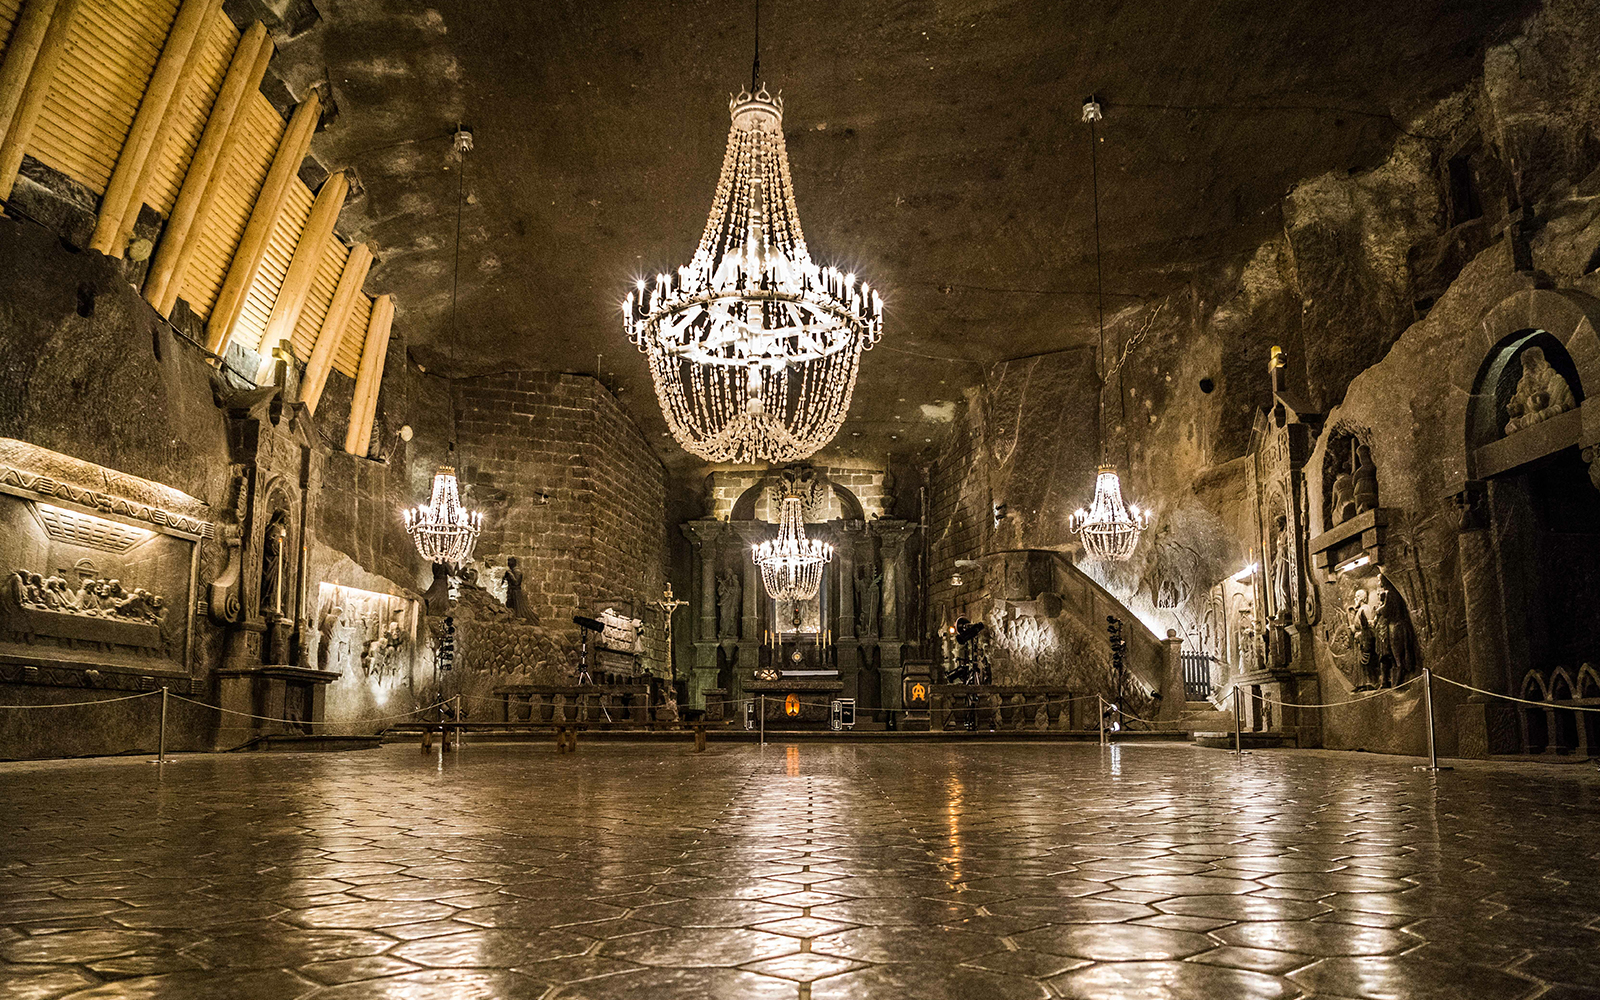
(936, 148)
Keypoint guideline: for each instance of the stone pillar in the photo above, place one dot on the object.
(891, 553)
(1484, 725)
(846, 569)
(753, 591)
(1172, 691)
(703, 535)
(891, 675)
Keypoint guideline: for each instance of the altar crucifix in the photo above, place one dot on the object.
(669, 604)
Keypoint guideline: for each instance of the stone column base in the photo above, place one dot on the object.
(1485, 728)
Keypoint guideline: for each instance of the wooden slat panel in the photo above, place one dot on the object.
(274, 264)
(213, 49)
(241, 182)
(113, 49)
(347, 357)
(9, 9)
(323, 286)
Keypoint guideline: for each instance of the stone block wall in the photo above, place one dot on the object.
(569, 486)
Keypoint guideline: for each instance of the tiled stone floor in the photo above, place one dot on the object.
(928, 872)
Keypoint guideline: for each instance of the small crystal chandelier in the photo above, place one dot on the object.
(443, 530)
(754, 348)
(791, 564)
(1109, 529)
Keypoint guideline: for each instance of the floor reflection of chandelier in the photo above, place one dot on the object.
(791, 564)
(753, 348)
(443, 530)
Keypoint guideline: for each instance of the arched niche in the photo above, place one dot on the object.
(1562, 324)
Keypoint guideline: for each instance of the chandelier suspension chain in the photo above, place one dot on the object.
(1099, 282)
(755, 64)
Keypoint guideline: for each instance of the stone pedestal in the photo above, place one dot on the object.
(272, 694)
(916, 697)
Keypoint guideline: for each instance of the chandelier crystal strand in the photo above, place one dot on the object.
(443, 530)
(1110, 528)
(791, 564)
(754, 348)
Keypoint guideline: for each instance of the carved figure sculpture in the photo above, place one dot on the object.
(1541, 393)
(516, 600)
(1394, 640)
(868, 597)
(1342, 500)
(1363, 641)
(1282, 567)
(730, 591)
(1365, 480)
(328, 630)
(272, 565)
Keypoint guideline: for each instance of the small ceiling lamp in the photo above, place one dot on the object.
(791, 564)
(754, 348)
(1110, 528)
(443, 530)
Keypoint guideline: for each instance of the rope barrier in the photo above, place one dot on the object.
(341, 722)
(79, 704)
(1520, 701)
(1352, 701)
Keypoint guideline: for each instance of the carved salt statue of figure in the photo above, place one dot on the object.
(869, 601)
(516, 600)
(327, 630)
(1342, 504)
(272, 565)
(730, 593)
(1365, 480)
(1364, 641)
(1541, 393)
(1394, 640)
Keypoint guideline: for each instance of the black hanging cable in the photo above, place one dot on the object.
(755, 64)
(463, 143)
(1091, 114)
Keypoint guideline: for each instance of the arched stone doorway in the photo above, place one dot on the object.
(1530, 542)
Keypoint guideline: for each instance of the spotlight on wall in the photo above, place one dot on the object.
(1245, 574)
(1356, 563)
(966, 631)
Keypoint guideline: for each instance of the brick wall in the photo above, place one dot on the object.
(569, 486)
(868, 484)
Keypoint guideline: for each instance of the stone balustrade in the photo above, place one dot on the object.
(1008, 707)
(591, 704)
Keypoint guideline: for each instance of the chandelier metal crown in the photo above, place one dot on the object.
(1110, 529)
(753, 347)
(443, 530)
(791, 564)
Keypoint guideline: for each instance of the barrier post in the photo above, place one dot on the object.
(1238, 739)
(161, 740)
(1427, 705)
(458, 721)
(1100, 702)
(761, 717)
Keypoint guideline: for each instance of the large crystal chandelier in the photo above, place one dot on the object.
(791, 564)
(1110, 528)
(443, 530)
(753, 347)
